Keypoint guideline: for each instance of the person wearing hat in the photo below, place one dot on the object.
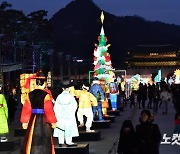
(38, 117)
(86, 101)
(97, 91)
(4, 130)
(148, 134)
(65, 108)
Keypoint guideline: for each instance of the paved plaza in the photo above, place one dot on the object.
(109, 137)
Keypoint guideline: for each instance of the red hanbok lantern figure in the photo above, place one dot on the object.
(38, 117)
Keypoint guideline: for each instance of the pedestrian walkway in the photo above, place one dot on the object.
(107, 143)
(109, 137)
(166, 126)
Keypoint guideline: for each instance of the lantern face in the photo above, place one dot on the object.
(14, 91)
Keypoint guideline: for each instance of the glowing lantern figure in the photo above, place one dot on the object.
(135, 80)
(102, 62)
(177, 74)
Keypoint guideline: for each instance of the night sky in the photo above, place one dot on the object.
(167, 11)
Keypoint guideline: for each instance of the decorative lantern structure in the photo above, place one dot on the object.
(177, 76)
(102, 61)
(27, 84)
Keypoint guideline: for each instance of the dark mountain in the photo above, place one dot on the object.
(77, 26)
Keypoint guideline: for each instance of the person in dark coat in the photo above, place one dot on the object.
(12, 105)
(148, 134)
(132, 97)
(151, 89)
(156, 100)
(176, 96)
(177, 123)
(142, 93)
(127, 139)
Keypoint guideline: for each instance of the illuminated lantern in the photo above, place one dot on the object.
(177, 74)
(27, 84)
(102, 62)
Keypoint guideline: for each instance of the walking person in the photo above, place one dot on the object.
(127, 139)
(165, 98)
(156, 100)
(175, 89)
(148, 134)
(162, 85)
(12, 104)
(177, 123)
(150, 95)
(142, 94)
(132, 99)
(38, 117)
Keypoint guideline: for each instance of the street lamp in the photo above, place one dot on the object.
(68, 58)
(35, 57)
(22, 44)
(1, 70)
(51, 51)
(61, 65)
(75, 68)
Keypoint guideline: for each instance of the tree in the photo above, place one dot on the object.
(16, 26)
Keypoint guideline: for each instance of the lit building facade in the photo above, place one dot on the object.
(148, 59)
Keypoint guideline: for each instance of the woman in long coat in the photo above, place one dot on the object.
(127, 139)
(148, 134)
(65, 108)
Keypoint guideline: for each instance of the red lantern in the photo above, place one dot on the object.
(95, 58)
(98, 38)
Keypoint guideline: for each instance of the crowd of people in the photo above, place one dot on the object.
(41, 112)
(156, 96)
(145, 137)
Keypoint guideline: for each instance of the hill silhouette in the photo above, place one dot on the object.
(77, 26)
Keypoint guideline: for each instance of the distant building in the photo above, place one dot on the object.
(148, 59)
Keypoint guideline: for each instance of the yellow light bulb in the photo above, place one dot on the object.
(102, 17)
(177, 73)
